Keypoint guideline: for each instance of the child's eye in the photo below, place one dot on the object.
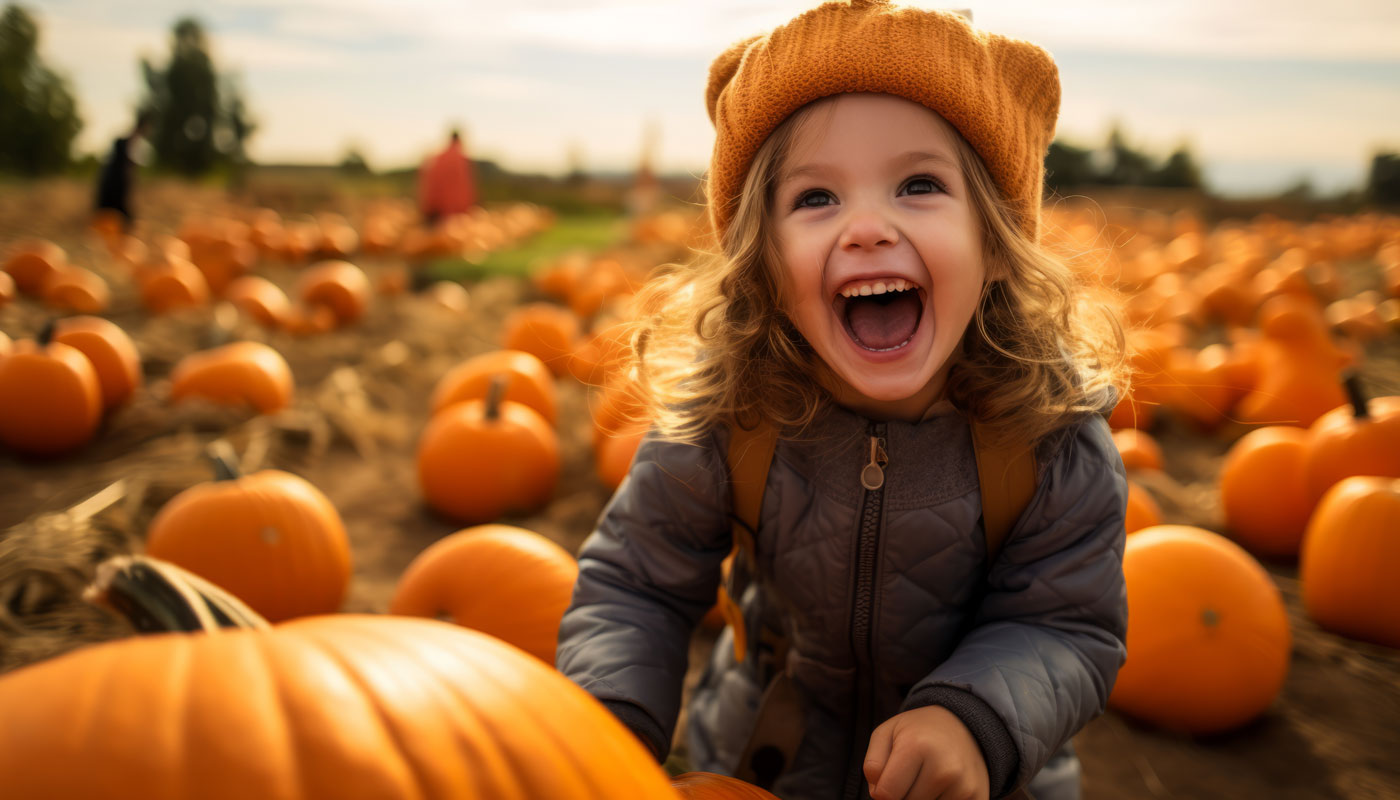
(814, 198)
(923, 184)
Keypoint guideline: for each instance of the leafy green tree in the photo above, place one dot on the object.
(201, 119)
(38, 115)
(354, 163)
(1126, 166)
(1383, 184)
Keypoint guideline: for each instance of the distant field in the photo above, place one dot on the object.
(591, 233)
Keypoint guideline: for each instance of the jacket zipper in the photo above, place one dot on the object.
(872, 478)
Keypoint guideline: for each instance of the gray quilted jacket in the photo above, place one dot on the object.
(884, 595)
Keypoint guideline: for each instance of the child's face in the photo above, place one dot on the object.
(870, 203)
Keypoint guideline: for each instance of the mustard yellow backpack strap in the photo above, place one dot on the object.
(750, 454)
(1006, 474)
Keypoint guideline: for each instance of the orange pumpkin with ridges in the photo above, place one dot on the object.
(709, 786)
(480, 458)
(528, 381)
(111, 351)
(241, 373)
(339, 706)
(1359, 438)
(1350, 559)
(173, 285)
(270, 538)
(50, 401)
(1263, 493)
(509, 582)
(1208, 637)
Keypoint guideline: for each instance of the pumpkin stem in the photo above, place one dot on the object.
(46, 333)
(225, 461)
(158, 597)
(493, 397)
(1357, 395)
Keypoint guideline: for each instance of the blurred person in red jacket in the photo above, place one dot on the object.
(446, 182)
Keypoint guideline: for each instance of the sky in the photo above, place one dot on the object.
(1265, 92)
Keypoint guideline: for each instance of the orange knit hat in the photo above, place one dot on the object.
(1002, 94)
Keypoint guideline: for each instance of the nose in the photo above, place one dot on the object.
(868, 230)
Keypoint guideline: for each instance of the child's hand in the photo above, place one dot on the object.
(925, 754)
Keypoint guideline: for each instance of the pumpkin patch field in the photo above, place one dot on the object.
(331, 431)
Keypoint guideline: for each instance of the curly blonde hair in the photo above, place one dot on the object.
(713, 346)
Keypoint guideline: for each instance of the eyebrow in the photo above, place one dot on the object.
(905, 159)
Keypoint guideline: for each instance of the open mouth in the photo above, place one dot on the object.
(880, 316)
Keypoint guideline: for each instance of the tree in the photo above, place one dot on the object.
(354, 163)
(1126, 166)
(1067, 166)
(38, 115)
(201, 120)
(1179, 172)
(1383, 184)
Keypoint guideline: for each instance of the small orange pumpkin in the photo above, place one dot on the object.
(111, 351)
(543, 330)
(614, 453)
(241, 373)
(1138, 449)
(309, 320)
(1359, 438)
(1143, 511)
(528, 381)
(172, 285)
(32, 262)
(7, 289)
(509, 582)
(260, 299)
(480, 458)
(1298, 366)
(77, 289)
(50, 400)
(1350, 559)
(602, 354)
(270, 538)
(338, 285)
(1208, 637)
(1263, 492)
(709, 786)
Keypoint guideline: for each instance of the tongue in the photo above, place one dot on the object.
(879, 323)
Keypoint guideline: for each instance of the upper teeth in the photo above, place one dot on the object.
(875, 287)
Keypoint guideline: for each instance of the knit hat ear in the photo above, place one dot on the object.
(722, 70)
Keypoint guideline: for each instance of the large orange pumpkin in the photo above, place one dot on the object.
(50, 400)
(528, 381)
(480, 458)
(241, 373)
(111, 351)
(1351, 557)
(1359, 438)
(1263, 491)
(352, 707)
(509, 582)
(1208, 637)
(271, 538)
(709, 786)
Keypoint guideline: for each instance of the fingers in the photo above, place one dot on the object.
(898, 778)
(878, 752)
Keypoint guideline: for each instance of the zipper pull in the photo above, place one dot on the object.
(872, 477)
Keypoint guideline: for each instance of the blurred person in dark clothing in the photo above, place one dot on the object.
(114, 182)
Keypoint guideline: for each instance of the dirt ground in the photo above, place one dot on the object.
(1334, 732)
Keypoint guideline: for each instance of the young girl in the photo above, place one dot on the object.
(879, 300)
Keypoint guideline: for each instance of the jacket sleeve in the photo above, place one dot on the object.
(647, 574)
(1047, 642)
